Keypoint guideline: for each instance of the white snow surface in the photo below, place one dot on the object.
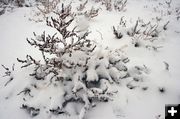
(15, 27)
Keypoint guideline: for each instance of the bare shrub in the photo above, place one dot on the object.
(119, 5)
(48, 6)
(91, 13)
(82, 6)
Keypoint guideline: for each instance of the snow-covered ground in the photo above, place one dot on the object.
(136, 103)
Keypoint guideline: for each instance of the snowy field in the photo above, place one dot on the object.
(140, 70)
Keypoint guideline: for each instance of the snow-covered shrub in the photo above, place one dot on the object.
(31, 110)
(134, 30)
(117, 33)
(120, 30)
(84, 74)
(85, 77)
(144, 34)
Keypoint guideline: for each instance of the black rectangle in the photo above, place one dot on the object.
(172, 111)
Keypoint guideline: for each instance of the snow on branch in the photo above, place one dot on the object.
(120, 29)
(30, 110)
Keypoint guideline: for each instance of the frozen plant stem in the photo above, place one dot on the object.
(166, 65)
(165, 26)
(117, 33)
(8, 73)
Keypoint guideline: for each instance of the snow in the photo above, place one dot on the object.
(136, 97)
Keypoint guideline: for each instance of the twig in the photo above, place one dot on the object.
(165, 26)
(26, 91)
(168, 3)
(166, 65)
(8, 73)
